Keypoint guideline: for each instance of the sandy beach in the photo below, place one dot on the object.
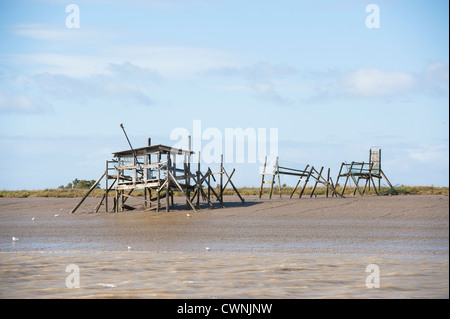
(407, 234)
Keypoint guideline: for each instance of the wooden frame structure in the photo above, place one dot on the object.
(366, 171)
(303, 176)
(154, 169)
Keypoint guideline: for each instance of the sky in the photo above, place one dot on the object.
(330, 77)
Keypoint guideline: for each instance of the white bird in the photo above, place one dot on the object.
(207, 248)
(129, 248)
(15, 238)
(56, 215)
(188, 215)
(32, 218)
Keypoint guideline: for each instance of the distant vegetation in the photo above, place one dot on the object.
(81, 187)
(79, 184)
(76, 188)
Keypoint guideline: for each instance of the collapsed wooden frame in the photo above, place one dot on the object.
(364, 171)
(304, 176)
(137, 169)
(354, 172)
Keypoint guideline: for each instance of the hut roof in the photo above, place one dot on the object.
(163, 149)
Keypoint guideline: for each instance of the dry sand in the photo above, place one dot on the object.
(370, 225)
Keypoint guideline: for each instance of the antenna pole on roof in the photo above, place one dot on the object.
(134, 152)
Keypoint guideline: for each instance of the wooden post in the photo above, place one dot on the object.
(145, 178)
(229, 180)
(380, 171)
(87, 193)
(181, 189)
(103, 197)
(299, 180)
(221, 179)
(389, 183)
(106, 186)
(158, 199)
(209, 183)
(357, 181)
(317, 181)
(199, 185)
(262, 177)
(116, 200)
(279, 181)
(328, 180)
(273, 178)
(337, 180)
(188, 172)
(346, 179)
(168, 182)
(306, 182)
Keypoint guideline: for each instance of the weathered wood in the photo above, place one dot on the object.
(106, 186)
(298, 182)
(168, 182)
(387, 180)
(221, 179)
(159, 178)
(347, 176)
(306, 182)
(231, 175)
(104, 198)
(273, 179)
(181, 189)
(317, 181)
(262, 177)
(328, 180)
(234, 188)
(88, 192)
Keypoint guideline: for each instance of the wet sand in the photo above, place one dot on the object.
(363, 225)
(307, 248)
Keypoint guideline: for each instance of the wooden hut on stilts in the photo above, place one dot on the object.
(154, 169)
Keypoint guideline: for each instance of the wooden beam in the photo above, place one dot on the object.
(237, 192)
(298, 182)
(87, 193)
(104, 197)
(262, 177)
(181, 189)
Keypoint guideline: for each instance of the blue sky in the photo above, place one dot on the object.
(312, 69)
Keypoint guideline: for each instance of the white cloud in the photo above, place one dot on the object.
(165, 60)
(372, 82)
(172, 61)
(31, 94)
(436, 72)
(256, 72)
(91, 87)
(265, 90)
(65, 64)
(20, 103)
(260, 78)
(132, 73)
(45, 32)
(430, 154)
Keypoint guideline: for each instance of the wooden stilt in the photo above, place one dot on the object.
(88, 192)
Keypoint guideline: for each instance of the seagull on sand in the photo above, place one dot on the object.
(129, 248)
(208, 249)
(188, 215)
(15, 238)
